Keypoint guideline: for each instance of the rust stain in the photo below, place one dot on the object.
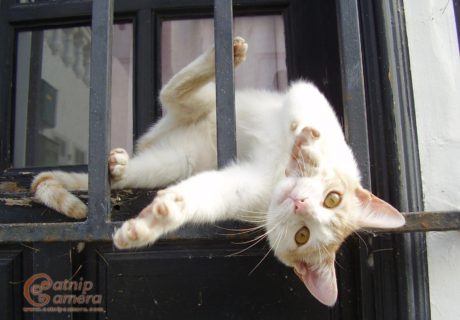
(425, 224)
(50, 238)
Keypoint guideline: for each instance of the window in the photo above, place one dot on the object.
(52, 95)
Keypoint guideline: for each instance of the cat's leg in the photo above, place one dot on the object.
(204, 198)
(185, 151)
(187, 95)
(51, 189)
(154, 168)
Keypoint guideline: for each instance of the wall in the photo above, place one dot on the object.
(435, 67)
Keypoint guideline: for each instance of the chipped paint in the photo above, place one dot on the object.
(10, 186)
(22, 202)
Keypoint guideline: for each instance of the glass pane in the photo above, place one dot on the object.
(265, 66)
(52, 95)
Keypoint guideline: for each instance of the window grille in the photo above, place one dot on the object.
(99, 226)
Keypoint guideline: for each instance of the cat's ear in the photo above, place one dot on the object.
(321, 282)
(377, 213)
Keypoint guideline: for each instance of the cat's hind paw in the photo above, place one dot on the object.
(118, 161)
(240, 47)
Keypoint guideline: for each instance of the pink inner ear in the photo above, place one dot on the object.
(322, 284)
(377, 213)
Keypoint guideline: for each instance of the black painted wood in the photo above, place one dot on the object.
(394, 150)
(10, 284)
(201, 281)
(55, 260)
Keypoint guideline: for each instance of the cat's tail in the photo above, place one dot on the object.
(51, 188)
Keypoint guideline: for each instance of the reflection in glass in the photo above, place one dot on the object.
(52, 95)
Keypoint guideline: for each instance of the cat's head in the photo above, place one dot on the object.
(311, 214)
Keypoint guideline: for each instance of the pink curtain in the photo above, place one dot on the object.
(265, 67)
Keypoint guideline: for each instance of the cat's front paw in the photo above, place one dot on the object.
(118, 161)
(307, 136)
(164, 214)
(305, 158)
(240, 47)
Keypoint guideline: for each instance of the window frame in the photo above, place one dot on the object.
(380, 114)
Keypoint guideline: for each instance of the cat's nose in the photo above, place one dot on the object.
(300, 205)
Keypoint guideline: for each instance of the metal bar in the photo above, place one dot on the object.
(99, 120)
(85, 231)
(52, 232)
(356, 131)
(354, 111)
(353, 89)
(428, 221)
(225, 89)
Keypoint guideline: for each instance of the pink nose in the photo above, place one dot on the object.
(299, 205)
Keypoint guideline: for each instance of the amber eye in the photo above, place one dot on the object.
(302, 236)
(332, 199)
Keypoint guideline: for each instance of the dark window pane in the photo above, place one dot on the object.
(52, 95)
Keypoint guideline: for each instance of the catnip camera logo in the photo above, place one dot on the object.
(44, 294)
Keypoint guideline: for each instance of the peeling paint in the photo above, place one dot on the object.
(10, 186)
(22, 202)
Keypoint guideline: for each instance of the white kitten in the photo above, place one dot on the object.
(293, 163)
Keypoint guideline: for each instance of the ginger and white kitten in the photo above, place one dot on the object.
(294, 171)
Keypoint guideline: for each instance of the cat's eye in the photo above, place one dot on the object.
(302, 236)
(332, 199)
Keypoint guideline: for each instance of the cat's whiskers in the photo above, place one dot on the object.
(242, 229)
(253, 221)
(318, 246)
(273, 248)
(361, 239)
(341, 267)
(253, 211)
(254, 217)
(262, 235)
(354, 227)
(259, 238)
(237, 232)
(278, 240)
(245, 249)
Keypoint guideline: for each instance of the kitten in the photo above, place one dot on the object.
(294, 171)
